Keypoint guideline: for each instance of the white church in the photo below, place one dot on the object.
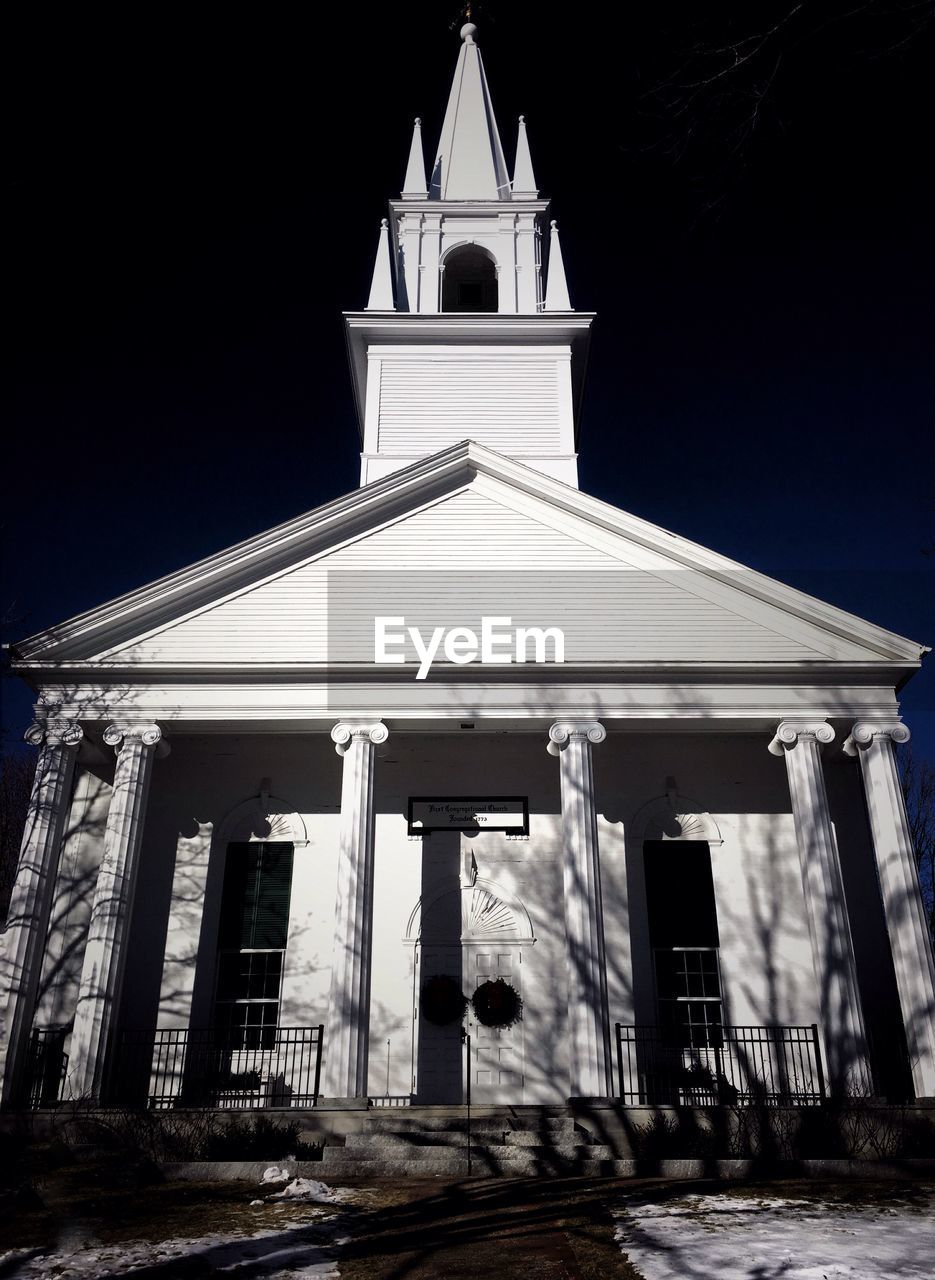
(466, 781)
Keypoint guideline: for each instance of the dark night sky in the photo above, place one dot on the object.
(193, 198)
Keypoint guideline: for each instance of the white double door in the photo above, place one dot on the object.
(496, 1063)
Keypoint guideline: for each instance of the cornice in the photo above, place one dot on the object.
(831, 671)
(465, 208)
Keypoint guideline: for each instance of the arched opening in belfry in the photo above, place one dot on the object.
(469, 280)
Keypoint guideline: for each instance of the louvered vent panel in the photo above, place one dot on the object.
(512, 405)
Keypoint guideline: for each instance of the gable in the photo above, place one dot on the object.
(483, 551)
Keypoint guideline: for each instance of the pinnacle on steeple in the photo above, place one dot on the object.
(524, 180)
(381, 287)
(414, 187)
(470, 163)
(556, 292)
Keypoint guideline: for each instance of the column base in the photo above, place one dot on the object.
(342, 1104)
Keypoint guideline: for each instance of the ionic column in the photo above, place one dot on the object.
(872, 744)
(588, 1024)
(348, 1043)
(835, 969)
(105, 952)
(23, 940)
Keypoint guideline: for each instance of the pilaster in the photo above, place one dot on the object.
(105, 952)
(23, 940)
(848, 1066)
(348, 1034)
(873, 745)
(588, 1022)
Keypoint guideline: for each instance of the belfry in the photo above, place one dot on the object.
(466, 783)
(469, 331)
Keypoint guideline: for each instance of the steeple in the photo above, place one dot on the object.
(482, 342)
(470, 164)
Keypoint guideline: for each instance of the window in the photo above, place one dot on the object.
(684, 937)
(252, 942)
(469, 282)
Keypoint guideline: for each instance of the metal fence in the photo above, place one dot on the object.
(208, 1068)
(46, 1067)
(719, 1066)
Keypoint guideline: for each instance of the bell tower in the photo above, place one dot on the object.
(469, 332)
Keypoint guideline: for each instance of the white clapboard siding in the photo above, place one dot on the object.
(448, 565)
(508, 402)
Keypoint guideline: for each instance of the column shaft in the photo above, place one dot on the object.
(23, 941)
(901, 894)
(848, 1063)
(348, 1036)
(588, 1023)
(105, 952)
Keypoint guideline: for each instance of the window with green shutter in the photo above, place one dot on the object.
(252, 935)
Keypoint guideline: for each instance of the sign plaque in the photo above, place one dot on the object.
(469, 813)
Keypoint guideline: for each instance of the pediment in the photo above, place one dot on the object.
(445, 546)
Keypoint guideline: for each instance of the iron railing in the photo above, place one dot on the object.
(208, 1068)
(719, 1066)
(46, 1067)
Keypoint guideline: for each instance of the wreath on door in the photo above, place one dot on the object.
(497, 1004)
(442, 1001)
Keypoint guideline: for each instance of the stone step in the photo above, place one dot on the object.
(431, 1137)
(483, 1164)
(481, 1125)
(528, 1159)
(395, 1149)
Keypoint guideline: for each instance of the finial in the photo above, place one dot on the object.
(554, 225)
(418, 122)
(522, 119)
(384, 222)
(467, 32)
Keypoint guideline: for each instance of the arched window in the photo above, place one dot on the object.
(469, 280)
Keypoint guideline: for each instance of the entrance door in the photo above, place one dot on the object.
(497, 1073)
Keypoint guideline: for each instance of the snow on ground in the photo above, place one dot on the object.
(305, 1249)
(750, 1237)
(280, 1254)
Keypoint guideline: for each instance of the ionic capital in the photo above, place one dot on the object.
(565, 731)
(54, 733)
(864, 732)
(345, 731)
(790, 732)
(148, 735)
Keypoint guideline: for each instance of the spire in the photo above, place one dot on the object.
(381, 288)
(556, 292)
(524, 180)
(414, 187)
(470, 163)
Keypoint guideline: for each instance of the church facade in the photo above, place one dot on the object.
(466, 779)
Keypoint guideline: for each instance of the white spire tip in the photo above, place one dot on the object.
(554, 225)
(467, 32)
(418, 122)
(522, 119)
(384, 223)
